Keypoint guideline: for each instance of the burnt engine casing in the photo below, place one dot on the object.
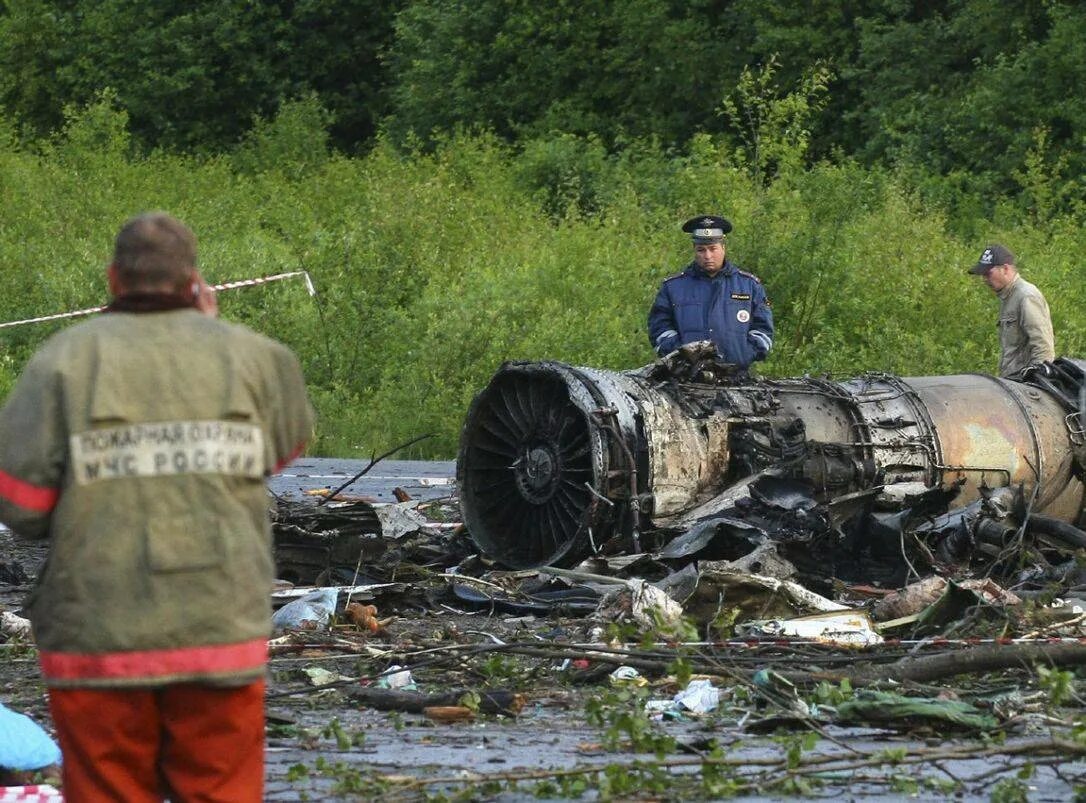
(557, 462)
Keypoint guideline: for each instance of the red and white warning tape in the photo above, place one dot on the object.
(224, 286)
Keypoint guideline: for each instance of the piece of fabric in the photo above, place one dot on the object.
(1025, 328)
(184, 742)
(24, 744)
(138, 443)
(730, 309)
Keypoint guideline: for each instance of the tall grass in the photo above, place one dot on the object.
(433, 268)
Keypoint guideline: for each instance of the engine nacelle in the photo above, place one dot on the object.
(558, 461)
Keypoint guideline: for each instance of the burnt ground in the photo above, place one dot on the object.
(575, 733)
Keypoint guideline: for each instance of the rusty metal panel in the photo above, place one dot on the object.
(687, 456)
(995, 432)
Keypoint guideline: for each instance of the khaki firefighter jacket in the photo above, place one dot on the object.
(1025, 328)
(138, 443)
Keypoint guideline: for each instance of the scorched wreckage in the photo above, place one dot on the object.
(864, 480)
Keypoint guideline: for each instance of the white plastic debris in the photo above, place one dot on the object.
(396, 677)
(1073, 605)
(699, 697)
(311, 612)
(627, 676)
(649, 606)
(14, 626)
(319, 676)
(848, 628)
(652, 607)
(400, 519)
(360, 592)
(656, 709)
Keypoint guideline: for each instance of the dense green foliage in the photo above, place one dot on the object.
(980, 95)
(193, 75)
(435, 266)
(470, 182)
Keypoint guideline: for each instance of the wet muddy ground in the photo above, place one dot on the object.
(323, 745)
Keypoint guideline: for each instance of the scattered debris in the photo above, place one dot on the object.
(642, 550)
(319, 676)
(680, 542)
(628, 676)
(311, 612)
(885, 708)
(24, 744)
(490, 701)
(364, 617)
(448, 713)
(11, 573)
(699, 697)
(396, 677)
(878, 479)
(14, 626)
(847, 628)
(400, 519)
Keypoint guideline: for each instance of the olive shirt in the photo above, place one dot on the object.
(138, 445)
(1025, 328)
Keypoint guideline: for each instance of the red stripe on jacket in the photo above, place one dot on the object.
(33, 497)
(283, 463)
(149, 664)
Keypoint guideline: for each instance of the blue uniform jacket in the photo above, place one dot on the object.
(729, 309)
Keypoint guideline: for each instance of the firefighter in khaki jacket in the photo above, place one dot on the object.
(138, 443)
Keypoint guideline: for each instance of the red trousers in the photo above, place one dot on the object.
(187, 742)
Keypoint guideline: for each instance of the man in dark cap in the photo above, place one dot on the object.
(1025, 325)
(711, 299)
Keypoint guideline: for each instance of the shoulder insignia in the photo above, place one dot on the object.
(678, 275)
(748, 275)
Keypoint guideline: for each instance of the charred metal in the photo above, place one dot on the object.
(868, 479)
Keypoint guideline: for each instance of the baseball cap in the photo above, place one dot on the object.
(992, 256)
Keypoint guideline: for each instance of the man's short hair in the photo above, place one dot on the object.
(154, 251)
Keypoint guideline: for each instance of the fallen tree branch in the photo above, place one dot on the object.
(975, 660)
(491, 701)
(809, 764)
(373, 462)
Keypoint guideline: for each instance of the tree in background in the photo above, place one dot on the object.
(964, 89)
(194, 75)
(586, 67)
(973, 101)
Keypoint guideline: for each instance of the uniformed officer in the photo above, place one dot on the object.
(711, 299)
(1025, 325)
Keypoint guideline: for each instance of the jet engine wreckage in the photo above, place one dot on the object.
(876, 479)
